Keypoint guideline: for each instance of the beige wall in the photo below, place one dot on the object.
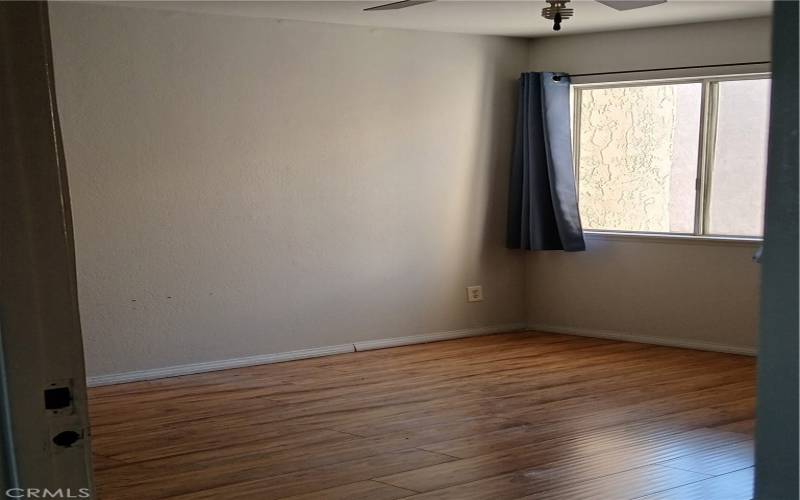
(691, 293)
(684, 292)
(251, 186)
(721, 42)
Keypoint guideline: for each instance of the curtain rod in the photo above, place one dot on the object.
(751, 63)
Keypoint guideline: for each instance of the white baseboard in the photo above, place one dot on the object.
(224, 364)
(210, 366)
(643, 339)
(368, 345)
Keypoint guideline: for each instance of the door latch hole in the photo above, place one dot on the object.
(66, 439)
(57, 398)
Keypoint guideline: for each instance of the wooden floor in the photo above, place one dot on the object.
(523, 415)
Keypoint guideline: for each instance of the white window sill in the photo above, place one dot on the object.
(673, 238)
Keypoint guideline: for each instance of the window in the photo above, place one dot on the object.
(684, 157)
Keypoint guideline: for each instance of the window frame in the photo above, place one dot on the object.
(709, 106)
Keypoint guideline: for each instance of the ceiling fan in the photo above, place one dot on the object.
(557, 11)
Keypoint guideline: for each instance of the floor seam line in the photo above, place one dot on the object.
(394, 486)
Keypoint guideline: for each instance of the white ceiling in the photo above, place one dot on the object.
(488, 17)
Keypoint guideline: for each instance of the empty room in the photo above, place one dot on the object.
(424, 249)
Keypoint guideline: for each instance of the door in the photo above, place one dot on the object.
(777, 411)
(45, 427)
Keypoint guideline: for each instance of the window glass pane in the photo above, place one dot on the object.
(738, 175)
(638, 157)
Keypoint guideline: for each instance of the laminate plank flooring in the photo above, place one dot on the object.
(520, 415)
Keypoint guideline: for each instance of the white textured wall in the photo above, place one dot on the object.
(676, 291)
(634, 155)
(249, 186)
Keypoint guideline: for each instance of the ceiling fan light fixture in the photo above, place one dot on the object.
(557, 12)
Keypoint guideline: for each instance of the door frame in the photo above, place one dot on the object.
(45, 424)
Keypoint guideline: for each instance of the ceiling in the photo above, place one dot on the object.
(488, 17)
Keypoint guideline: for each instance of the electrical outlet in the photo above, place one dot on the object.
(474, 293)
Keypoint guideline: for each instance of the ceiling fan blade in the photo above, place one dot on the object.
(630, 4)
(402, 4)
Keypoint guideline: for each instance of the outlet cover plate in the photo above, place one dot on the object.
(474, 293)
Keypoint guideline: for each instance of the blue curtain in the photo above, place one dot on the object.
(542, 203)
